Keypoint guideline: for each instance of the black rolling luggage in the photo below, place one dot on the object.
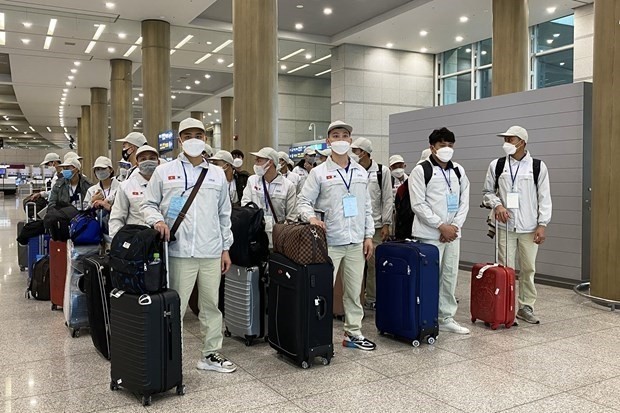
(300, 304)
(98, 287)
(145, 343)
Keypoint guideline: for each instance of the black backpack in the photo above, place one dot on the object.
(30, 230)
(58, 220)
(501, 163)
(39, 286)
(251, 244)
(402, 203)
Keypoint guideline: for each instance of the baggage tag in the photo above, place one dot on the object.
(349, 205)
(175, 207)
(512, 200)
(268, 223)
(453, 202)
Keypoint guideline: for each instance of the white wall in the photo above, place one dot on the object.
(27, 156)
(584, 43)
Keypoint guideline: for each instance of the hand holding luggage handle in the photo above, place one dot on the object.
(496, 263)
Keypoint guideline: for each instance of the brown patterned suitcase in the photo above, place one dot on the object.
(302, 243)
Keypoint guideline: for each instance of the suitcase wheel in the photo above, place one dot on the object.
(75, 333)
(430, 340)
(305, 364)
(181, 390)
(146, 400)
(113, 385)
(248, 342)
(508, 325)
(473, 319)
(415, 343)
(22, 268)
(54, 308)
(325, 361)
(381, 333)
(494, 326)
(487, 324)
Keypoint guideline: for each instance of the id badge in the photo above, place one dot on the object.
(176, 205)
(268, 224)
(349, 205)
(512, 201)
(453, 202)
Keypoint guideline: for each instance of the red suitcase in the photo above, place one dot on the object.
(58, 272)
(493, 293)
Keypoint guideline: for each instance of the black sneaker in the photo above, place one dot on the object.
(360, 342)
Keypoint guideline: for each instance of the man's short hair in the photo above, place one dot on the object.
(441, 135)
(236, 153)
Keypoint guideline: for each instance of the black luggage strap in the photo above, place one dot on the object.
(273, 211)
(188, 203)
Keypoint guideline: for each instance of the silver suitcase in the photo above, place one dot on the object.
(244, 303)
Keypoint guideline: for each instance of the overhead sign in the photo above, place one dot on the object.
(166, 141)
(296, 151)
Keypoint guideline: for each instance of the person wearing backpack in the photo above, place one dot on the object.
(397, 170)
(188, 199)
(382, 201)
(517, 189)
(72, 189)
(439, 192)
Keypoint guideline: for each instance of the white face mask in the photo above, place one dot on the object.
(260, 170)
(340, 147)
(398, 173)
(237, 162)
(354, 157)
(103, 174)
(194, 147)
(445, 154)
(318, 162)
(509, 148)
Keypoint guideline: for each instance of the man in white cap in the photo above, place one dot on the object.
(305, 165)
(101, 195)
(397, 169)
(131, 143)
(323, 155)
(126, 207)
(272, 192)
(72, 189)
(52, 160)
(286, 169)
(72, 155)
(203, 237)
(236, 183)
(517, 189)
(382, 201)
(339, 187)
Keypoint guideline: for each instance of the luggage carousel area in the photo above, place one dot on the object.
(568, 363)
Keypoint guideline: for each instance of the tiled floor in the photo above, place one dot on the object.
(569, 363)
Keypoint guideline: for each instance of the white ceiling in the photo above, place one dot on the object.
(39, 76)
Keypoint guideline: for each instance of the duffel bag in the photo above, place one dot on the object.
(302, 243)
(251, 244)
(58, 220)
(85, 229)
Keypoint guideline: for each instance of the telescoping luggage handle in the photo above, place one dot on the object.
(496, 264)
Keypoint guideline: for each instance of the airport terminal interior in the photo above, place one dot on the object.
(78, 76)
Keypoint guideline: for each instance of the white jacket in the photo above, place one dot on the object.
(534, 204)
(110, 194)
(430, 203)
(282, 193)
(302, 173)
(324, 191)
(126, 207)
(205, 232)
(382, 201)
(294, 178)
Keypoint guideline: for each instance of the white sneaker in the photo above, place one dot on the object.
(452, 326)
(216, 362)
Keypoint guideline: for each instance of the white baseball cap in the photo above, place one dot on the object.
(309, 151)
(190, 123)
(222, 156)
(208, 150)
(71, 155)
(363, 144)
(146, 148)
(51, 157)
(517, 131)
(72, 162)
(267, 153)
(286, 158)
(394, 159)
(339, 124)
(134, 138)
(103, 162)
(325, 152)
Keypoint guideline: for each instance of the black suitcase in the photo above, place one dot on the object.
(97, 286)
(39, 286)
(300, 322)
(145, 342)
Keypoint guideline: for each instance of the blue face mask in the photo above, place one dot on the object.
(67, 174)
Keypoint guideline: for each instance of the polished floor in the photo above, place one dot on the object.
(569, 363)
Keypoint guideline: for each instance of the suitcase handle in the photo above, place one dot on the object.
(320, 304)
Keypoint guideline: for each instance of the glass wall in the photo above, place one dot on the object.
(552, 57)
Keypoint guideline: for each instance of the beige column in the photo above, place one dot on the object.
(121, 107)
(510, 46)
(157, 109)
(99, 133)
(228, 122)
(255, 75)
(197, 115)
(605, 238)
(84, 141)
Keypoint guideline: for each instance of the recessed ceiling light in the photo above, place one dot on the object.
(184, 41)
(300, 6)
(99, 32)
(212, 122)
(459, 38)
(70, 77)
(220, 60)
(209, 42)
(197, 82)
(423, 33)
(230, 65)
(173, 97)
(136, 99)
(188, 87)
(122, 35)
(551, 9)
(464, 19)
(296, 52)
(141, 95)
(27, 25)
(562, 63)
(216, 111)
(76, 63)
(203, 58)
(549, 41)
(52, 27)
(299, 26)
(14, 128)
(424, 50)
(322, 58)
(68, 83)
(130, 51)
(327, 11)
(48, 128)
(217, 120)
(65, 90)
(74, 71)
(308, 56)
(209, 114)
(468, 50)
(110, 5)
(32, 129)
(556, 35)
(26, 41)
(48, 42)
(389, 45)
(111, 50)
(207, 76)
(298, 68)
(483, 53)
(90, 46)
(223, 45)
(283, 67)
(323, 72)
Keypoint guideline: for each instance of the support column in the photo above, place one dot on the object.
(121, 107)
(605, 239)
(78, 131)
(84, 141)
(197, 115)
(255, 75)
(99, 134)
(157, 109)
(217, 137)
(228, 122)
(510, 46)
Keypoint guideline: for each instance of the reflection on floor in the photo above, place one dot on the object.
(571, 362)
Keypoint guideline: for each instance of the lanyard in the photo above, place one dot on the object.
(513, 177)
(266, 195)
(348, 186)
(103, 189)
(447, 178)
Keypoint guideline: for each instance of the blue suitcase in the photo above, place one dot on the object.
(407, 290)
(37, 246)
